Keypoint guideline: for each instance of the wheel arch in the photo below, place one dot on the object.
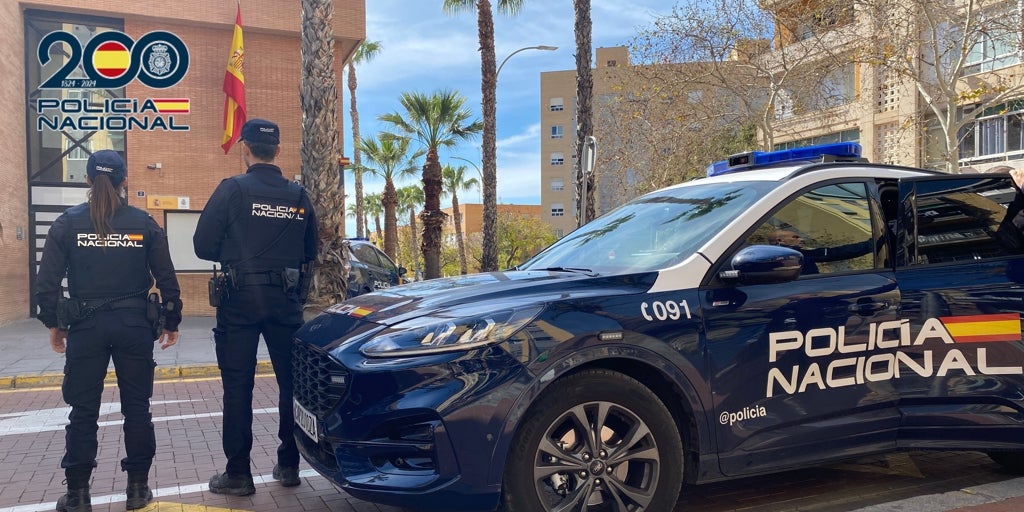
(670, 385)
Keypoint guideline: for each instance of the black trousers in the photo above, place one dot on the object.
(125, 336)
(248, 313)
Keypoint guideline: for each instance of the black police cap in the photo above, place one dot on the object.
(261, 131)
(108, 162)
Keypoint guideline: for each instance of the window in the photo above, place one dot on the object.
(997, 134)
(997, 45)
(843, 136)
(557, 184)
(557, 105)
(830, 226)
(557, 159)
(958, 220)
(557, 210)
(557, 131)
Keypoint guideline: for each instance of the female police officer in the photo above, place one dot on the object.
(110, 253)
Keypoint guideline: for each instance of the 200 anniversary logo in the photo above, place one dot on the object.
(111, 60)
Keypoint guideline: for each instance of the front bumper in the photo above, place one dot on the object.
(419, 432)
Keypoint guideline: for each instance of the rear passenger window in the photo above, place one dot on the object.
(958, 220)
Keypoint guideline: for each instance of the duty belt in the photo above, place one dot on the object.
(104, 304)
(269, 277)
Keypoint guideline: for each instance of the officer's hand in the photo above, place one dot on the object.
(168, 339)
(58, 340)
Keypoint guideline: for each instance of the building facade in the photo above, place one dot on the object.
(172, 143)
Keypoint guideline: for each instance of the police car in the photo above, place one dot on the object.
(369, 267)
(793, 308)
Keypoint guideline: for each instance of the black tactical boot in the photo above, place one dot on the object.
(77, 497)
(138, 492)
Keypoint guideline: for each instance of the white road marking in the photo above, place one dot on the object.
(177, 490)
(49, 420)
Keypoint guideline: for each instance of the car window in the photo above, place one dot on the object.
(829, 225)
(958, 220)
(385, 261)
(366, 254)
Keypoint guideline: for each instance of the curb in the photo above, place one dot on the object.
(161, 373)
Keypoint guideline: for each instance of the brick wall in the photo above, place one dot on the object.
(193, 162)
(14, 258)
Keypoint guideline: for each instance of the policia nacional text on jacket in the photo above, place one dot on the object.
(110, 252)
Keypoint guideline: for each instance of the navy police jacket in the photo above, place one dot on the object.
(97, 267)
(258, 221)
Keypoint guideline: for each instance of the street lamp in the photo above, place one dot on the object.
(489, 256)
(542, 47)
(479, 173)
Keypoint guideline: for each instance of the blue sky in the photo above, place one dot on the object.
(425, 50)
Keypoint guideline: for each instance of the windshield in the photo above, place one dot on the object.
(651, 232)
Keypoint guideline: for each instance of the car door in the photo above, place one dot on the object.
(961, 277)
(791, 372)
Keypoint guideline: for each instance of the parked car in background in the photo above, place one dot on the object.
(793, 308)
(372, 269)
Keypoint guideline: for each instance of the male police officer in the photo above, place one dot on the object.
(261, 228)
(110, 253)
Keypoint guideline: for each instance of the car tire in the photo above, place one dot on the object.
(556, 460)
(1013, 461)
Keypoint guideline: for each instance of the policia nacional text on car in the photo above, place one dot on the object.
(261, 228)
(110, 253)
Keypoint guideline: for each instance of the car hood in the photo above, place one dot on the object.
(486, 290)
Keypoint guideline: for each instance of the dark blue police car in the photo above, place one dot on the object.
(793, 308)
(369, 267)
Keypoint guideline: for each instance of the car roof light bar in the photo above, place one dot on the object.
(755, 159)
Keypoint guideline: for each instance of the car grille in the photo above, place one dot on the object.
(320, 380)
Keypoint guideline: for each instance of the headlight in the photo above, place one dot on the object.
(432, 335)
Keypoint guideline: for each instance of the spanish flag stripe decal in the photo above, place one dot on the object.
(172, 105)
(360, 312)
(983, 328)
(134, 237)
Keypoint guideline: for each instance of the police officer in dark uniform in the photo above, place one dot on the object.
(261, 227)
(110, 252)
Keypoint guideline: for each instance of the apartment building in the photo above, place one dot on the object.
(169, 133)
(894, 111)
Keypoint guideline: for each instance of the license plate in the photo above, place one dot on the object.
(306, 421)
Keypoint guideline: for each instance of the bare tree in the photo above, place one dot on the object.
(770, 66)
(951, 54)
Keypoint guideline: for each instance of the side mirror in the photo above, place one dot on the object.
(764, 264)
(402, 271)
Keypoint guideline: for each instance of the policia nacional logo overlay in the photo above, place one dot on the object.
(112, 240)
(112, 60)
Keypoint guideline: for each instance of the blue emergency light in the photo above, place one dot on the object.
(754, 159)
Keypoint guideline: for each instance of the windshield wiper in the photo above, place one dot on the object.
(585, 271)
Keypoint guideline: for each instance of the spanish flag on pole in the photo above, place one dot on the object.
(234, 88)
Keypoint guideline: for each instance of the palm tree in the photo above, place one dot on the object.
(488, 90)
(410, 197)
(318, 96)
(438, 120)
(389, 158)
(454, 179)
(373, 205)
(365, 53)
(584, 101)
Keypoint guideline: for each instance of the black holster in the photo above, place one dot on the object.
(220, 285)
(155, 314)
(63, 323)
